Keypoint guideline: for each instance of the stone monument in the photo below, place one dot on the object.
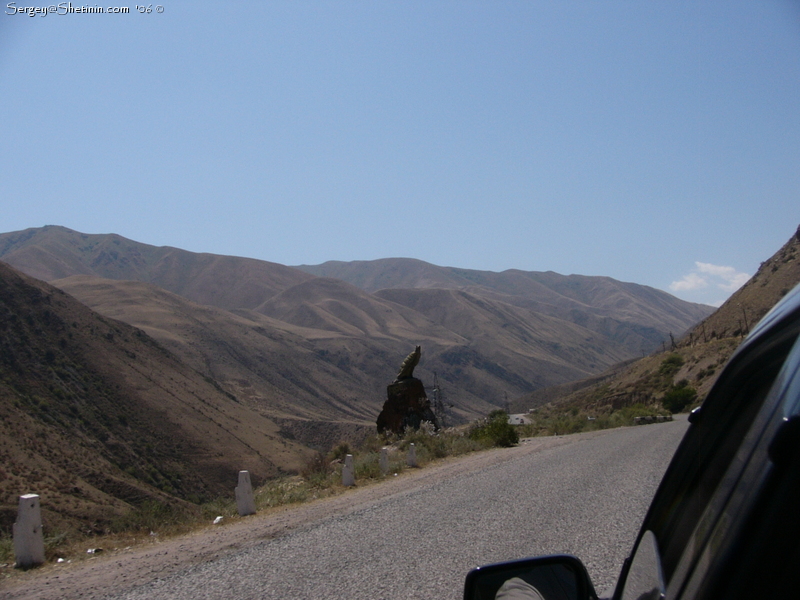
(406, 403)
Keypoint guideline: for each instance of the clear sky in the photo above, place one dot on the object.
(652, 141)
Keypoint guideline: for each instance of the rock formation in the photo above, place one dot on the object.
(406, 404)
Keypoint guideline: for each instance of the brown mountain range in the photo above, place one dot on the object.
(600, 304)
(315, 351)
(319, 349)
(51, 252)
(201, 365)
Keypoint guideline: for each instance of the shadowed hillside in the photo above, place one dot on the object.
(97, 417)
(283, 370)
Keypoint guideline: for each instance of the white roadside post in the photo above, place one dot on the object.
(384, 461)
(348, 471)
(27, 532)
(245, 501)
(412, 455)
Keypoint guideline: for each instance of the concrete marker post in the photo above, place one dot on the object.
(384, 461)
(348, 471)
(245, 501)
(27, 532)
(412, 455)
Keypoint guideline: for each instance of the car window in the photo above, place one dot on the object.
(711, 444)
(752, 549)
(767, 564)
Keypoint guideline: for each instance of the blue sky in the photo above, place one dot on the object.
(656, 142)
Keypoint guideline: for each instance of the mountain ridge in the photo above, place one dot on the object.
(486, 335)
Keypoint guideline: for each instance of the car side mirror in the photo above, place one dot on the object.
(560, 577)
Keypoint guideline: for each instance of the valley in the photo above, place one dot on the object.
(134, 373)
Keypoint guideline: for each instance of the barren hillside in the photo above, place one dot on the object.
(695, 360)
(96, 416)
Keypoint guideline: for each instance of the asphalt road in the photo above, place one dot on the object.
(585, 497)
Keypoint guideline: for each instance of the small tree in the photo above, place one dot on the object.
(679, 397)
(496, 430)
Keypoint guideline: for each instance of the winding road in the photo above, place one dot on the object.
(586, 498)
(415, 536)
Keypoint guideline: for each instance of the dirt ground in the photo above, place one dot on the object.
(119, 570)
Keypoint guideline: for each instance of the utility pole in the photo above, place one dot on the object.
(746, 324)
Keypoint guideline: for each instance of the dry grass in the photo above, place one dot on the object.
(322, 478)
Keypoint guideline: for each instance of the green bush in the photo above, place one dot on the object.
(290, 490)
(670, 365)
(547, 421)
(679, 397)
(315, 464)
(367, 466)
(495, 430)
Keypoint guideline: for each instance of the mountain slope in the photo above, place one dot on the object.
(268, 363)
(338, 371)
(97, 417)
(322, 376)
(697, 357)
(579, 299)
(774, 278)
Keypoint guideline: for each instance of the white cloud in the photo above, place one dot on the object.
(692, 281)
(732, 280)
(704, 275)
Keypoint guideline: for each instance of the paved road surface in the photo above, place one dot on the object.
(585, 497)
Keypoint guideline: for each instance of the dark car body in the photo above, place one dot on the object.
(725, 520)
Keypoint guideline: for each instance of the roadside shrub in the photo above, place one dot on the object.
(6, 548)
(568, 424)
(429, 445)
(315, 464)
(55, 544)
(288, 490)
(670, 365)
(218, 507)
(495, 431)
(679, 397)
(547, 421)
(460, 444)
(340, 451)
(367, 466)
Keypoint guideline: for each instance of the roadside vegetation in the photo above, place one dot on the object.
(555, 421)
(321, 477)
